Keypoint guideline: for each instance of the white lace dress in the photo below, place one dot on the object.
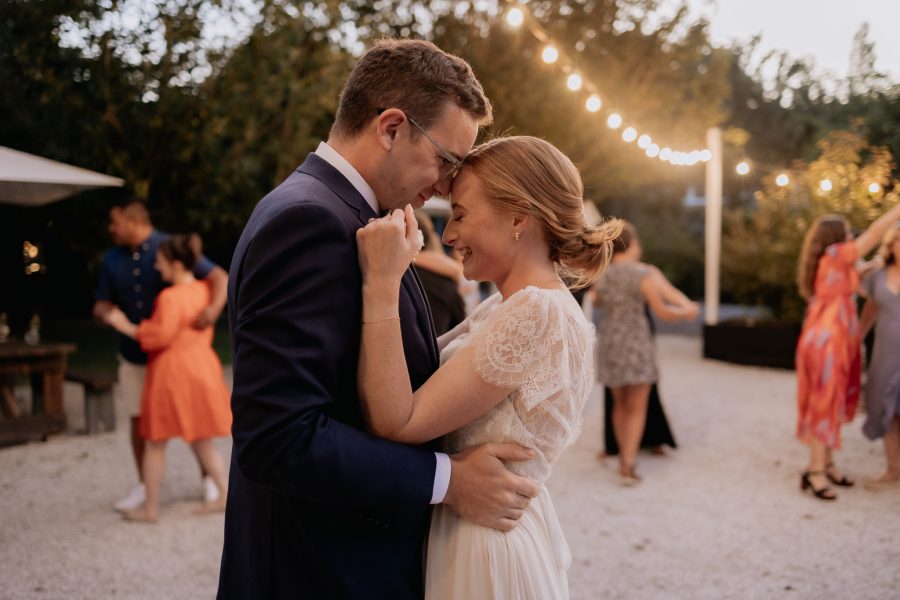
(540, 342)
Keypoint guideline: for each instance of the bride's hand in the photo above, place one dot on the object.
(387, 246)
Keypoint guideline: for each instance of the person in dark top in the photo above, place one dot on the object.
(129, 280)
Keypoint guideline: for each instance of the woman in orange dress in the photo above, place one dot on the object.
(185, 394)
(828, 353)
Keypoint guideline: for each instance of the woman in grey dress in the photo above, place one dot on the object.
(882, 390)
(627, 351)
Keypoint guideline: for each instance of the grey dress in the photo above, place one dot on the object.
(626, 352)
(882, 390)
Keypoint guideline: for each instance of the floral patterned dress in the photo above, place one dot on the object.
(828, 353)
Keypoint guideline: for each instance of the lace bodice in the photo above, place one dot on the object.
(539, 342)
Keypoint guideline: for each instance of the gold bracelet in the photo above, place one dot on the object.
(390, 318)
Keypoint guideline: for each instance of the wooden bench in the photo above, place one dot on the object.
(99, 407)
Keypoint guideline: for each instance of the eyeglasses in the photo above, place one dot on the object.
(450, 165)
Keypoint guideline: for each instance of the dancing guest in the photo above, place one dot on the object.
(657, 433)
(627, 357)
(185, 394)
(882, 389)
(828, 353)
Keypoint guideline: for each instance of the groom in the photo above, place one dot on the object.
(317, 508)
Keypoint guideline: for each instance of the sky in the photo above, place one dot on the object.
(822, 29)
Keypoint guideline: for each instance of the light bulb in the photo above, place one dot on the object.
(515, 17)
(782, 180)
(574, 82)
(593, 103)
(614, 121)
(549, 55)
(629, 135)
(742, 168)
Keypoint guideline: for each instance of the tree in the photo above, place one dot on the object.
(762, 245)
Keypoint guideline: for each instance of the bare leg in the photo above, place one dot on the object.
(818, 457)
(154, 468)
(632, 406)
(137, 446)
(892, 452)
(215, 466)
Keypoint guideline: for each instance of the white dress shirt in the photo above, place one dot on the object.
(331, 156)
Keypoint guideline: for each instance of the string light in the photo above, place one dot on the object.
(874, 188)
(550, 55)
(574, 82)
(515, 17)
(825, 185)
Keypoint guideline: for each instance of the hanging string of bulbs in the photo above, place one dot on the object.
(516, 17)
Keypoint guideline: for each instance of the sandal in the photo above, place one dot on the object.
(825, 493)
(843, 481)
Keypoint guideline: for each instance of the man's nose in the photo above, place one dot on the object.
(442, 187)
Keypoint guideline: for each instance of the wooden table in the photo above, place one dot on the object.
(45, 365)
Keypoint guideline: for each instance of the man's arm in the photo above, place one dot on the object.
(217, 279)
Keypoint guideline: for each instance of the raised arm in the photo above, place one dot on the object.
(439, 263)
(455, 395)
(653, 287)
(217, 279)
(670, 294)
(871, 237)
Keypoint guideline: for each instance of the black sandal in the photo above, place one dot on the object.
(843, 481)
(821, 493)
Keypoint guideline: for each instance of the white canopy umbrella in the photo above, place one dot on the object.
(30, 180)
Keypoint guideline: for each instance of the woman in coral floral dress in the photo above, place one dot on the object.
(828, 353)
(185, 394)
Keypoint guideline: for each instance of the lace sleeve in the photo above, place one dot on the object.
(520, 347)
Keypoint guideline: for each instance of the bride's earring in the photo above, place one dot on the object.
(517, 236)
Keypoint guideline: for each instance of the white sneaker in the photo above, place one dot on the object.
(210, 490)
(136, 497)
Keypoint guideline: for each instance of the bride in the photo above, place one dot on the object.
(518, 369)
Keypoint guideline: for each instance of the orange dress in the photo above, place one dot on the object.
(828, 353)
(184, 393)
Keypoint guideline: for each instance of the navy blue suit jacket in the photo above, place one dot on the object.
(317, 508)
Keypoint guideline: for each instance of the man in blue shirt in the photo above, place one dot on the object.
(129, 280)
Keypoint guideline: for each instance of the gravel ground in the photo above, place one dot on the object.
(719, 518)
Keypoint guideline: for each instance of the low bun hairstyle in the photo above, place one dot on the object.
(185, 248)
(527, 175)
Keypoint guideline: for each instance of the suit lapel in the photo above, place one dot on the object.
(319, 168)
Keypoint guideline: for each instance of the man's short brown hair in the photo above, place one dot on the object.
(413, 75)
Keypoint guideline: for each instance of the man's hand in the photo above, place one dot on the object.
(484, 491)
(207, 318)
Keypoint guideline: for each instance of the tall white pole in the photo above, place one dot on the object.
(713, 224)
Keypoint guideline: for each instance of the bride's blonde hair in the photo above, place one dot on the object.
(527, 175)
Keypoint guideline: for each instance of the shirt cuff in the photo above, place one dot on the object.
(441, 478)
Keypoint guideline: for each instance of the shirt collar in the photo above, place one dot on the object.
(331, 156)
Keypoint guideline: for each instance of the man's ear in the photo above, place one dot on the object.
(387, 127)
